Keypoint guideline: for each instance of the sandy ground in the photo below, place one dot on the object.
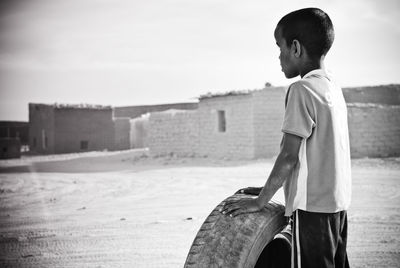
(127, 210)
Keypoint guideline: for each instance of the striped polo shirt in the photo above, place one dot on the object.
(316, 111)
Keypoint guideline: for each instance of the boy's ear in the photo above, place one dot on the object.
(296, 48)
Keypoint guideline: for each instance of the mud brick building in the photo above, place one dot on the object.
(15, 129)
(10, 148)
(234, 125)
(173, 132)
(14, 137)
(247, 125)
(70, 128)
(61, 128)
(133, 134)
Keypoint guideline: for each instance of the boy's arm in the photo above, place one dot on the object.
(283, 168)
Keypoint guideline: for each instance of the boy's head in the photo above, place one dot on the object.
(310, 29)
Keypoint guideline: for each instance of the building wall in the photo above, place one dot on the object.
(137, 111)
(253, 128)
(139, 131)
(385, 94)
(173, 132)
(41, 128)
(269, 109)
(237, 141)
(374, 130)
(76, 126)
(10, 148)
(122, 133)
(15, 129)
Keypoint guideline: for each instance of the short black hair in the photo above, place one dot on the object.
(312, 27)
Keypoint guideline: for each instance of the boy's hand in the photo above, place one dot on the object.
(236, 207)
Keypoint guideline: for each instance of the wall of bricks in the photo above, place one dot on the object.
(238, 140)
(374, 130)
(268, 110)
(253, 127)
(173, 132)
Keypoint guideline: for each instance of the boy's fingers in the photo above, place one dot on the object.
(229, 204)
(236, 212)
(229, 208)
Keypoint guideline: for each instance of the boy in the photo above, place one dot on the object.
(313, 165)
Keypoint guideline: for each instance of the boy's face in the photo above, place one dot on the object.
(286, 56)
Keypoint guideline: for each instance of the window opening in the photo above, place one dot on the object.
(84, 145)
(221, 121)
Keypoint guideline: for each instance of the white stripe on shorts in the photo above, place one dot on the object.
(297, 242)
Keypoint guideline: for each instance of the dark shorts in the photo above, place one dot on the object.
(319, 240)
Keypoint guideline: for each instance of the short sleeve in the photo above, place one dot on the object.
(298, 119)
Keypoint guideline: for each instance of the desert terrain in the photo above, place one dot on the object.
(127, 209)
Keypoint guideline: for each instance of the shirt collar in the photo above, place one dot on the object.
(320, 72)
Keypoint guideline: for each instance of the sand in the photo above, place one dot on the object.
(125, 209)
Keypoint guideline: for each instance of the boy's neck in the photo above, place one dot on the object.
(311, 65)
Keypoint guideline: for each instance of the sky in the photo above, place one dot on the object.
(134, 52)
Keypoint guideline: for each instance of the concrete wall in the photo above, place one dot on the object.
(122, 133)
(74, 126)
(173, 132)
(269, 108)
(374, 130)
(238, 140)
(137, 111)
(41, 128)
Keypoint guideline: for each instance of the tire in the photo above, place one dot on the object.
(237, 242)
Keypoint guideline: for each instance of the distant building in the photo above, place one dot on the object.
(10, 148)
(236, 125)
(70, 128)
(60, 128)
(15, 129)
(387, 94)
(247, 124)
(244, 124)
(131, 122)
(14, 137)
